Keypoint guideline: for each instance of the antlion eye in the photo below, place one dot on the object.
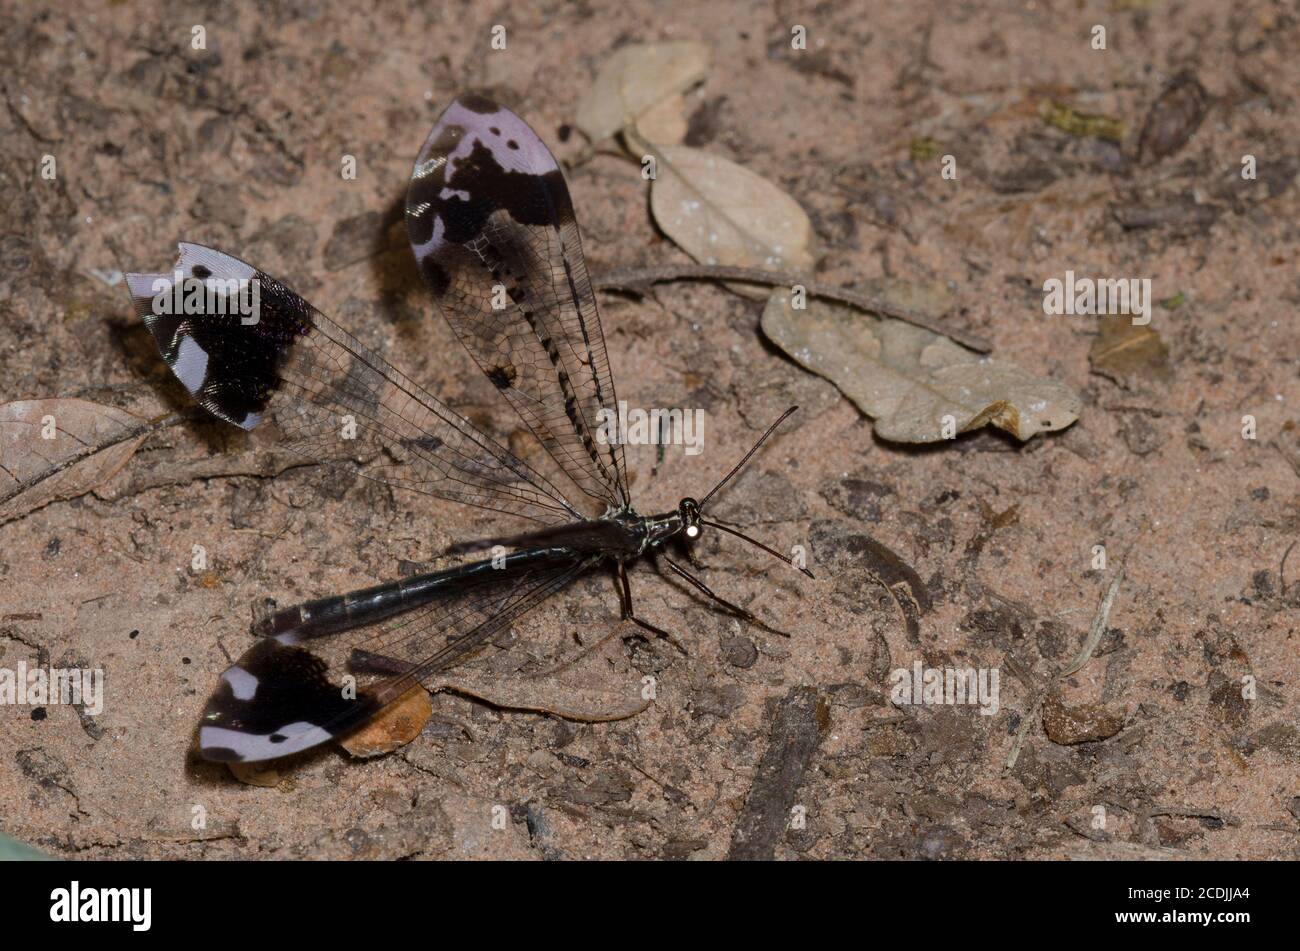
(692, 531)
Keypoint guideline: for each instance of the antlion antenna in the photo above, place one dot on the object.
(741, 464)
(730, 475)
(755, 542)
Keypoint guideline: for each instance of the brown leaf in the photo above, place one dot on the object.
(1124, 350)
(255, 774)
(396, 725)
(58, 449)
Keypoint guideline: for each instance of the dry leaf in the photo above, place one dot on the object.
(1123, 350)
(721, 213)
(636, 78)
(255, 774)
(909, 379)
(88, 445)
(664, 123)
(397, 724)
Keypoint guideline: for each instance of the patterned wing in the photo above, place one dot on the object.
(246, 347)
(494, 233)
(285, 695)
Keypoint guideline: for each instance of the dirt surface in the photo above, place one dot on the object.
(755, 744)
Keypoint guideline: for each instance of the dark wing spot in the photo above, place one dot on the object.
(429, 443)
(201, 272)
(503, 376)
(475, 102)
(494, 130)
(511, 144)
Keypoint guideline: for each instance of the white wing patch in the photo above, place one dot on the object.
(191, 364)
(242, 684)
(258, 746)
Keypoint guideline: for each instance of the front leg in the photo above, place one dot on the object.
(625, 599)
(735, 609)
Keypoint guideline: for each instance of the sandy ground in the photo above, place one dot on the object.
(755, 744)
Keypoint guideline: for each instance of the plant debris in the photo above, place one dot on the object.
(1071, 121)
(58, 449)
(1173, 118)
(1084, 723)
(635, 79)
(802, 720)
(919, 387)
(719, 212)
(399, 723)
(1124, 351)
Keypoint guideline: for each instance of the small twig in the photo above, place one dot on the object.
(1281, 572)
(1029, 720)
(1193, 812)
(1098, 628)
(637, 278)
(1039, 694)
(1036, 694)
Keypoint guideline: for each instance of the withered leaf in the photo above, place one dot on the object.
(256, 774)
(721, 213)
(58, 449)
(398, 724)
(1123, 351)
(909, 379)
(664, 123)
(635, 79)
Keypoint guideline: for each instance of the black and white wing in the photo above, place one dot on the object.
(494, 233)
(287, 694)
(246, 347)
